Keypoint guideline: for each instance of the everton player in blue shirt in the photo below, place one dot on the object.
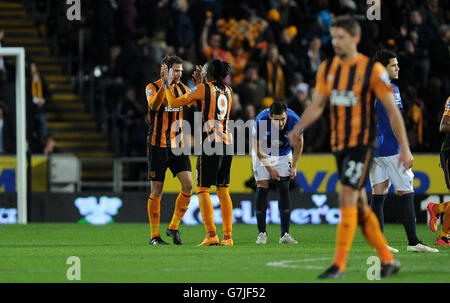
(272, 158)
(385, 170)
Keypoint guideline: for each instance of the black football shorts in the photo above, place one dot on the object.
(445, 156)
(353, 165)
(161, 158)
(213, 170)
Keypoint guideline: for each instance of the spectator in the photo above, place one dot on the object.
(212, 48)
(290, 13)
(236, 112)
(298, 101)
(252, 90)
(3, 72)
(414, 119)
(316, 136)
(432, 14)
(440, 57)
(183, 27)
(273, 72)
(38, 90)
(424, 32)
(7, 138)
(131, 120)
(104, 11)
(343, 7)
(50, 146)
(126, 28)
(289, 48)
(310, 61)
(239, 59)
(274, 27)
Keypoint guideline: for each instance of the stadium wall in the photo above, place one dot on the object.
(316, 174)
(109, 207)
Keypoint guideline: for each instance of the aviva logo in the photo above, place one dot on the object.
(98, 213)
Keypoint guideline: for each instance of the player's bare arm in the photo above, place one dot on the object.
(298, 149)
(444, 126)
(310, 115)
(398, 126)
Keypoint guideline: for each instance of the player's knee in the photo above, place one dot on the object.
(187, 186)
(157, 188)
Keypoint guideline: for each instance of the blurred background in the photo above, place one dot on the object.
(87, 110)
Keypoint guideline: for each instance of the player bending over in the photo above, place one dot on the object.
(272, 159)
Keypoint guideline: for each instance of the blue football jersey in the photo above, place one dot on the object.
(387, 144)
(274, 143)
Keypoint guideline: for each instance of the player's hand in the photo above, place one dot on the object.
(197, 75)
(166, 75)
(293, 136)
(274, 174)
(406, 158)
(293, 172)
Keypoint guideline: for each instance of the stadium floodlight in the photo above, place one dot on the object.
(21, 162)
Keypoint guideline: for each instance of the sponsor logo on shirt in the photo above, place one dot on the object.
(343, 98)
(171, 109)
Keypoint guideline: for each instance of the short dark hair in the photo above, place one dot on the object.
(348, 23)
(277, 108)
(171, 60)
(383, 56)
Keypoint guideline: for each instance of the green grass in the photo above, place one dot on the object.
(120, 253)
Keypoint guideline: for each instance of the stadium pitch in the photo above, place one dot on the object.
(39, 252)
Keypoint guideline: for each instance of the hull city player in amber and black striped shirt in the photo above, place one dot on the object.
(214, 98)
(349, 80)
(436, 209)
(161, 138)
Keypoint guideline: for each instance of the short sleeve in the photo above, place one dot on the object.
(379, 81)
(150, 91)
(447, 107)
(196, 93)
(255, 132)
(321, 85)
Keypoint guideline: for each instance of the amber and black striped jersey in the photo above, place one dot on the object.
(351, 87)
(215, 105)
(162, 117)
(446, 142)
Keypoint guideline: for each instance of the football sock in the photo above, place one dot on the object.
(377, 205)
(371, 230)
(181, 206)
(408, 217)
(226, 206)
(207, 210)
(261, 208)
(154, 212)
(284, 204)
(344, 236)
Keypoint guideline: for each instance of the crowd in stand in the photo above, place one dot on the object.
(274, 47)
